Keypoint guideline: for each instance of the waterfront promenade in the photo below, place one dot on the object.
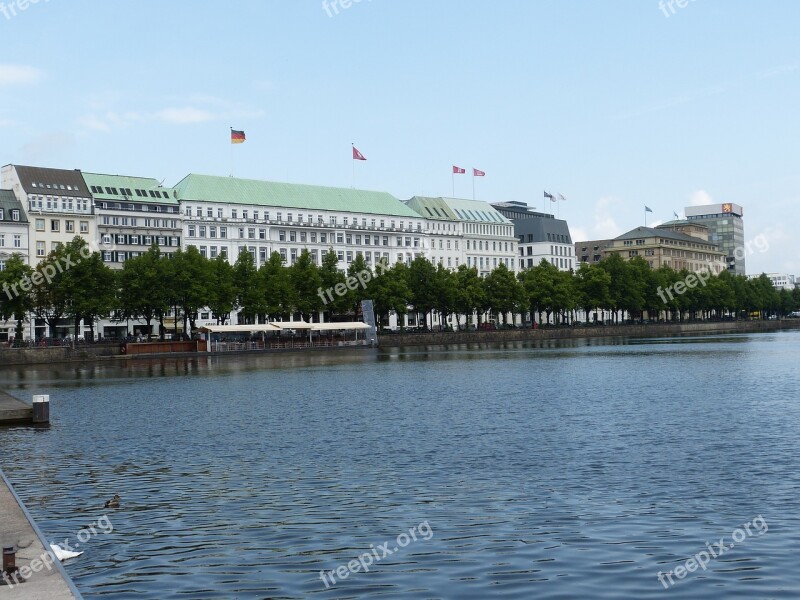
(45, 578)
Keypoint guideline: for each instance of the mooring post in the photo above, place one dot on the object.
(41, 408)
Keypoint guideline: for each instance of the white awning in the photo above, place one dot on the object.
(292, 325)
(335, 326)
(265, 328)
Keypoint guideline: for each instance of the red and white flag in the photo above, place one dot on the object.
(478, 173)
(458, 170)
(357, 155)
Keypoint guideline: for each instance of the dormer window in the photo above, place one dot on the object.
(15, 215)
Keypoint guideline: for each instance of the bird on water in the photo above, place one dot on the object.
(113, 503)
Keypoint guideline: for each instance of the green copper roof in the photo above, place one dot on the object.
(457, 209)
(122, 188)
(233, 190)
(432, 208)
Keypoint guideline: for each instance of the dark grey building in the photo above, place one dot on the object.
(540, 236)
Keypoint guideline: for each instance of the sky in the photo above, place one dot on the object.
(614, 104)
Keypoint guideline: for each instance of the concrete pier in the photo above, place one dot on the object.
(45, 577)
(14, 411)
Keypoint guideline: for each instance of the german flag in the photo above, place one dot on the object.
(237, 137)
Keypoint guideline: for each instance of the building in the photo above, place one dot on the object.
(226, 215)
(468, 232)
(725, 229)
(58, 204)
(13, 228)
(780, 281)
(591, 252)
(540, 236)
(663, 247)
(132, 214)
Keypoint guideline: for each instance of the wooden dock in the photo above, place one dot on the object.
(14, 411)
(45, 578)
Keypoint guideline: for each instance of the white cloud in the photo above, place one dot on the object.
(700, 198)
(19, 75)
(603, 225)
(94, 123)
(187, 114)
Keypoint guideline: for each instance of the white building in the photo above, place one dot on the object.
(225, 215)
(13, 228)
(467, 232)
(58, 204)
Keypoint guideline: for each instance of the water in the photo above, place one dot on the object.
(570, 469)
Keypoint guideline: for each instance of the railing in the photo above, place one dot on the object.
(284, 345)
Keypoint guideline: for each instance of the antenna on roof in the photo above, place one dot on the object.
(161, 183)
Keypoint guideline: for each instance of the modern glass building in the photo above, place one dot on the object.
(725, 228)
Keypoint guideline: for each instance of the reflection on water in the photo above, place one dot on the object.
(563, 469)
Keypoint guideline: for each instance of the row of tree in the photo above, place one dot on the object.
(73, 283)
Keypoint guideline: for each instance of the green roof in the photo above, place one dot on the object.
(9, 202)
(123, 188)
(233, 190)
(458, 209)
(432, 208)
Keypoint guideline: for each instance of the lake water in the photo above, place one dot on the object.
(572, 469)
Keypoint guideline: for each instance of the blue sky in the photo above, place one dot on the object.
(614, 104)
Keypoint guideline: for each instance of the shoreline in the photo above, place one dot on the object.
(112, 354)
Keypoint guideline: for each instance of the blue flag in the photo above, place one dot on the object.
(647, 209)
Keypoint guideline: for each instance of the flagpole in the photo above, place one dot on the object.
(453, 177)
(473, 183)
(353, 159)
(230, 143)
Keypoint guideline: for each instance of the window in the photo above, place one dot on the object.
(294, 255)
(199, 212)
(191, 231)
(201, 230)
(262, 234)
(303, 236)
(39, 248)
(69, 226)
(339, 238)
(209, 212)
(292, 236)
(349, 257)
(333, 220)
(281, 235)
(323, 238)
(234, 213)
(219, 216)
(39, 222)
(212, 231)
(349, 239)
(2, 240)
(289, 219)
(55, 225)
(223, 232)
(313, 237)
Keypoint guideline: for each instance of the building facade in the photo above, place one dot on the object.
(226, 215)
(58, 204)
(133, 214)
(13, 228)
(663, 247)
(540, 236)
(466, 232)
(725, 229)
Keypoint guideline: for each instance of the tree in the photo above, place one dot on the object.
(50, 293)
(279, 293)
(390, 291)
(189, 275)
(446, 292)
(92, 285)
(593, 285)
(470, 294)
(223, 292)
(330, 278)
(249, 288)
(504, 293)
(422, 283)
(306, 281)
(141, 290)
(14, 301)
